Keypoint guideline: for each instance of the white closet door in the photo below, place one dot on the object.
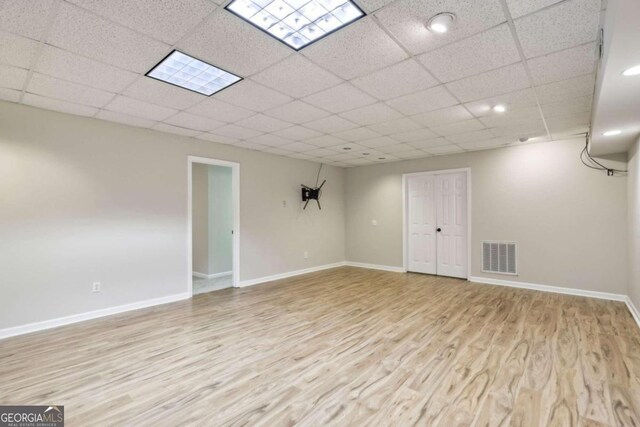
(451, 213)
(422, 224)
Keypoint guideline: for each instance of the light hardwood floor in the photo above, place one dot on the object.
(341, 347)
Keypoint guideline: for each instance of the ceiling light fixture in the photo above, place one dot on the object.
(190, 73)
(612, 132)
(297, 23)
(346, 148)
(499, 108)
(441, 22)
(382, 158)
(523, 139)
(633, 71)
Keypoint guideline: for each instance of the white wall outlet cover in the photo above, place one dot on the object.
(374, 222)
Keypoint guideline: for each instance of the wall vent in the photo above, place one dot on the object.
(499, 257)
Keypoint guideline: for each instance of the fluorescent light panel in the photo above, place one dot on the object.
(190, 73)
(297, 23)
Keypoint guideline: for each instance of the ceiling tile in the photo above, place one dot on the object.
(406, 19)
(68, 66)
(429, 143)
(331, 124)
(16, 50)
(218, 110)
(299, 147)
(191, 121)
(396, 149)
(358, 162)
(163, 127)
(57, 105)
(563, 65)
(12, 77)
(462, 58)
(263, 123)
(444, 149)
(373, 5)
(358, 49)
(381, 141)
(470, 136)
(414, 135)
(213, 137)
(347, 147)
(81, 32)
(423, 101)
(411, 154)
(325, 141)
(483, 145)
(137, 108)
(512, 101)
(297, 133)
(491, 83)
(10, 95)
(228, 42)
(166, 20)
(566, 89)
(297, 112)
(524, 7)
(357, 134)
(66, 91)
(368, 154)
(125, 119)
(512, 117)
(297, 76)
(251, 95)
(279, 151)
(567, 24)
(529, 130)
(568, 107)
(340, 98)
(458, 127)
(157, 92)
(371, 114)
(399, 79)
(331, 155)
(394, 126)
(302, 156)
(235, 131)
(321, 152)
(270, 140)
(248, 145)
(28, 18)
(443, 116)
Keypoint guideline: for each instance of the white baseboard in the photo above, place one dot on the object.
(271, 278)
(547, 288)
(211, 276)
(375, 266)
(634, 310)
(75, 318)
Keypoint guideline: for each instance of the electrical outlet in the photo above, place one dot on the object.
(306, 255)
(97, 287)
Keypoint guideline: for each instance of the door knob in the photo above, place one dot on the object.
(438, 229)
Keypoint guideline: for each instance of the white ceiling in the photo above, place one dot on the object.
(617, 103)
(384, 85)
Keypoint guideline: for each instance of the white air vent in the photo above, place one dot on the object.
(499, 257)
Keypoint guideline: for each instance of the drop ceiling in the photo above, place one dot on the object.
(382, 89)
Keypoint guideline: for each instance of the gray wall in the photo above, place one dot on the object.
(85, 200)
(634, 222)
(569, 221)
(220, 219)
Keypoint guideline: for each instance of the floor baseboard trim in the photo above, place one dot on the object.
(81, 317)
(548, 288)
(375, 266)
(634, 310)
(211, 276)
(273, 277)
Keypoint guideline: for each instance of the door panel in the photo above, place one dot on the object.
(451, 214)
(422, 224)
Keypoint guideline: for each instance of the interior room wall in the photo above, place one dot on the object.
(200, 215)
(85, 200)
(633, 216)
(220, 219)
(569, 221)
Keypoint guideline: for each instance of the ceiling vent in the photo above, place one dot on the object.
(499, 257)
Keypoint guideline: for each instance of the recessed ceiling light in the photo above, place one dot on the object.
(633, 71)
(382, 158)
(297, 23)
(365, 154)
(441, 22)
(499, 108)
(612, 132)
(346, 148)
(523, 139)
(190, 73)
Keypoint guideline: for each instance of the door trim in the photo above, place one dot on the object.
(235, 190)
(405, 212)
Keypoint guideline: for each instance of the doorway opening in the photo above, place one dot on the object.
(437, 222)
(214, 224)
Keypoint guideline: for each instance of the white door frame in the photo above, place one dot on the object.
(405, 212)
(235, 184)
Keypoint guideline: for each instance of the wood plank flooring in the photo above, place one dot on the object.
(346, 346)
